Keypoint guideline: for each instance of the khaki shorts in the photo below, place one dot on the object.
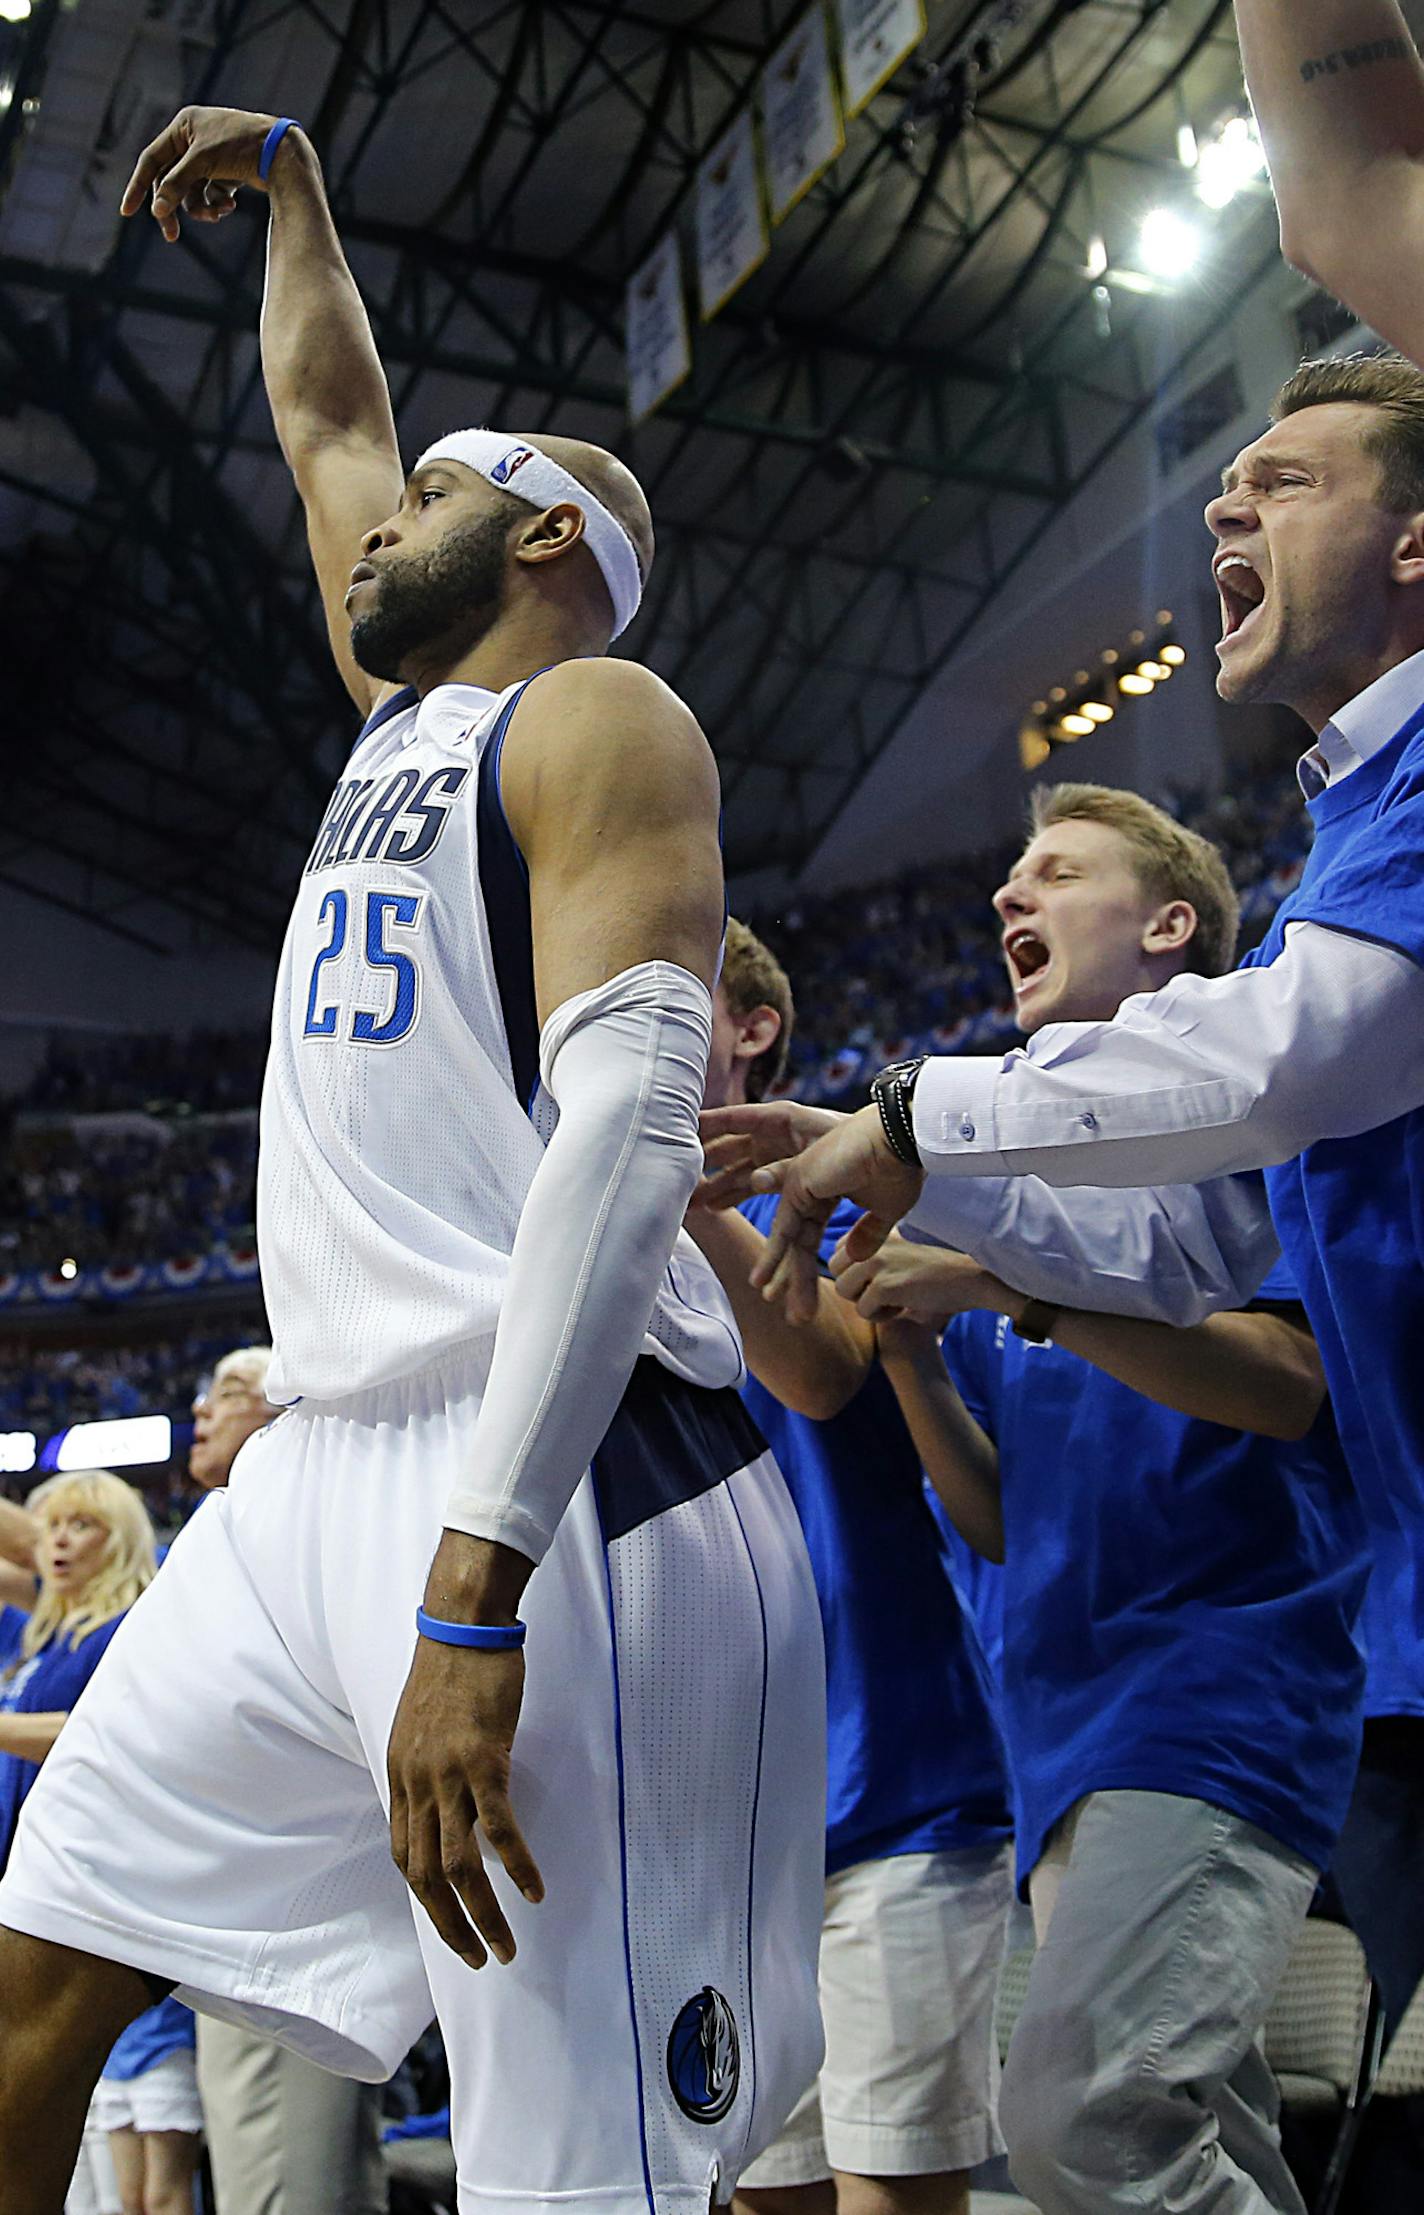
(910, 1955)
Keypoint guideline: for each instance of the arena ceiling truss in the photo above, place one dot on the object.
(876, 430)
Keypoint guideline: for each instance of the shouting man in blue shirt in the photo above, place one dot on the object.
(1183, 1559)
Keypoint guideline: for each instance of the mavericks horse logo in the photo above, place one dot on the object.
(704, 2060)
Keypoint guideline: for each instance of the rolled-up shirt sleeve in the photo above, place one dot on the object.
(1175, 1254)
(1206, 1078)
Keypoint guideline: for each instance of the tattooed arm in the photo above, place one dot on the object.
(1338, 90)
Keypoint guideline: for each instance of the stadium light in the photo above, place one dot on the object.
(1168, 245)
(1134, 685)
(127, 1442)
(1174, 656)
(69, 1268)
(14, 11)
(1097, 711)
(1158, 671)
(17, 1452)
(1229, 162)
(1078, 726)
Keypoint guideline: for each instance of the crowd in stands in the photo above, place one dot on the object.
(142, 1192)
(204, 1072)
(43, 1388)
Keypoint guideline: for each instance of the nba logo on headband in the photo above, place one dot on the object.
(505, 468)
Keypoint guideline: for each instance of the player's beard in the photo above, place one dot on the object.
(442, 601)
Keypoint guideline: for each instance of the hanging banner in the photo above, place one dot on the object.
(659, 351)
(876, 35)
(731, 226)
(801, 116)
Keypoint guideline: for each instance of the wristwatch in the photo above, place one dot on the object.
(1037, 1321)
(893, 1091)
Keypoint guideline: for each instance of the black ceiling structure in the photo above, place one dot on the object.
(876, 431)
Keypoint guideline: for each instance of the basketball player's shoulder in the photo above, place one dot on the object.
(613, 718)
(605, 690)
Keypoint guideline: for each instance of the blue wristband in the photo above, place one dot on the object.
(493, 1637)
(270, 144)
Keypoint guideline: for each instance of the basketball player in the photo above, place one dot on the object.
(479, 1137)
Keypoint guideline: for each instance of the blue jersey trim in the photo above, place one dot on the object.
(756, 1810)
(623, 1867)
(669, 1442)
(397, 703)
(504, 887)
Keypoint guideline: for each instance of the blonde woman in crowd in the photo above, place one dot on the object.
(93, 1556)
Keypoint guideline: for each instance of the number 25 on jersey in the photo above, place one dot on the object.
(384, 912)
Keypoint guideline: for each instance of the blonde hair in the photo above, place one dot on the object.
(1171, 863)
(126, 1566)
(1388, 383)
(752, 978)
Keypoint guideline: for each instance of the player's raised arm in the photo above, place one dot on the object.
(611, 794)
(330, 403)
(1339, 93)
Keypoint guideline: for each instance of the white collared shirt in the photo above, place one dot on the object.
(1362, 726)
(1195, 1084)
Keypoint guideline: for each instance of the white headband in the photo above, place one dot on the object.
(498, 458)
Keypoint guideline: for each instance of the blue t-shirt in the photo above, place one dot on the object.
(151, 2038)
(1179, 1599)
(50, 1680)
(980, 1585)
(915, 1762)
(1349, 1212)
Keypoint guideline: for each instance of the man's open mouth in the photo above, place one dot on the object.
(1242, 592)
(1027, 956)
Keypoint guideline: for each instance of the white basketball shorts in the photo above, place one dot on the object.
(214, 1811)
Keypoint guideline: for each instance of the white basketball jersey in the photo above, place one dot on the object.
(402, 1117)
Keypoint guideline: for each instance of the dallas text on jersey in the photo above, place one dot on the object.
(398, 818)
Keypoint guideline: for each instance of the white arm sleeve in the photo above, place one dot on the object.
(1206, 1077)
(626, 1064)
(1175, 1254)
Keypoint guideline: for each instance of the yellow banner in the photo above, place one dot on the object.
(659, 350)
(802, 130)
(876, 36)
(732, 236)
